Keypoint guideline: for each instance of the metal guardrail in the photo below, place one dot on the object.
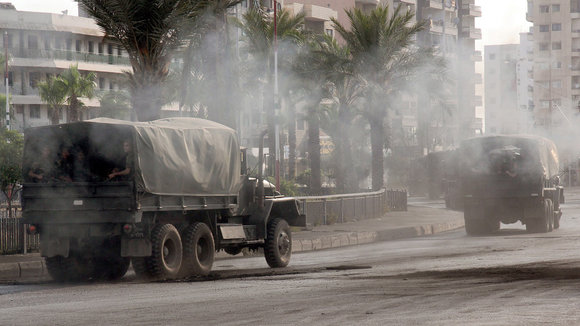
(323, 210)
(13, 236)
(319, 210)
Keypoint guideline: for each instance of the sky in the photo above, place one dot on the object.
(501, 21)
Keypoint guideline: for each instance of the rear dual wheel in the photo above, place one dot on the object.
(198, 250)
(545, 223)
(166, 254)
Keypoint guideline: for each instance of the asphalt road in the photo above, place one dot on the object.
(510, 278)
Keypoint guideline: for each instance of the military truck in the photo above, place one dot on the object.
(509, 179)
(164, 195)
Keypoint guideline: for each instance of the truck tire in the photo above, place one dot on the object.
(550, 215)
(70, 269)
(278, 246)
(166, 253)
(542, 224)
(198, 250)
(57, 268)
(111, 268)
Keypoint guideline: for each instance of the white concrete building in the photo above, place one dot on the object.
(41, 45)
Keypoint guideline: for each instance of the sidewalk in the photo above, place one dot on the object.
(420, 220)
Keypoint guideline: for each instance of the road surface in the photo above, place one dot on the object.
(510, 278)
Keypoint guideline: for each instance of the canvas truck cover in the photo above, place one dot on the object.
(542, 153)
(174, 156)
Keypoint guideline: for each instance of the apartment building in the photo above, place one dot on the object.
(525, 79)
(502, 113)
(41, 45)
(556, 62)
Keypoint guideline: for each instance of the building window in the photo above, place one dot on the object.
(557, 65)
(492, 56)
(557, 46)
(33, 79)
(10, 78)
(110, 49)
(245, 3)
(101, 46)
(543, 46)
(329, 32)
(119, 51)
(555, 8)
(34, 111)
(544, 9)
(33, 42)
(91, 47)
(544, 28)
(544, 104)
(101, 83)
(556, 27)
(78, 45)
(557, 84)
(19, 109)
(47, 45)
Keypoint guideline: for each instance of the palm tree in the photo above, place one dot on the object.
(383, 55)
(74, 86)
(53, 95)
(149, 30)
(257, 26)
(344, 88)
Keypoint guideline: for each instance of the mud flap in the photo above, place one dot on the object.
(139, 247)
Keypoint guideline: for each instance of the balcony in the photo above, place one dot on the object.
(68, 56)
(471, 32)
(476, 56)
(471, 10)
(529, 17)
(435, 4)
(368, 2)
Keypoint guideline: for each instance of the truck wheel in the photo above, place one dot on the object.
(111, 268)
(540, 225)
(233, 250)
(198, 250)
(278, 246)
(57, 268)
(550, 215)
(140, 267)
(166, 253)
(72, 268)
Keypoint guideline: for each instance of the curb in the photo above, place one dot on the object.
(14, 271)
(30, 269)
(358, 238)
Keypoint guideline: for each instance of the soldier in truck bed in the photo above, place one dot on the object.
(125, 172)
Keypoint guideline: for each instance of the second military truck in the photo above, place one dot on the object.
(509, 178)
(164, 195)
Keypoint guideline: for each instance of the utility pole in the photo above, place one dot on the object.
(6, 80)
(276, 98)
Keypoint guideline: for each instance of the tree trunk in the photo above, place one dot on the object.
(314, 153)
(292, 142)
(344, 165)
(147, 102)
(377, 146)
